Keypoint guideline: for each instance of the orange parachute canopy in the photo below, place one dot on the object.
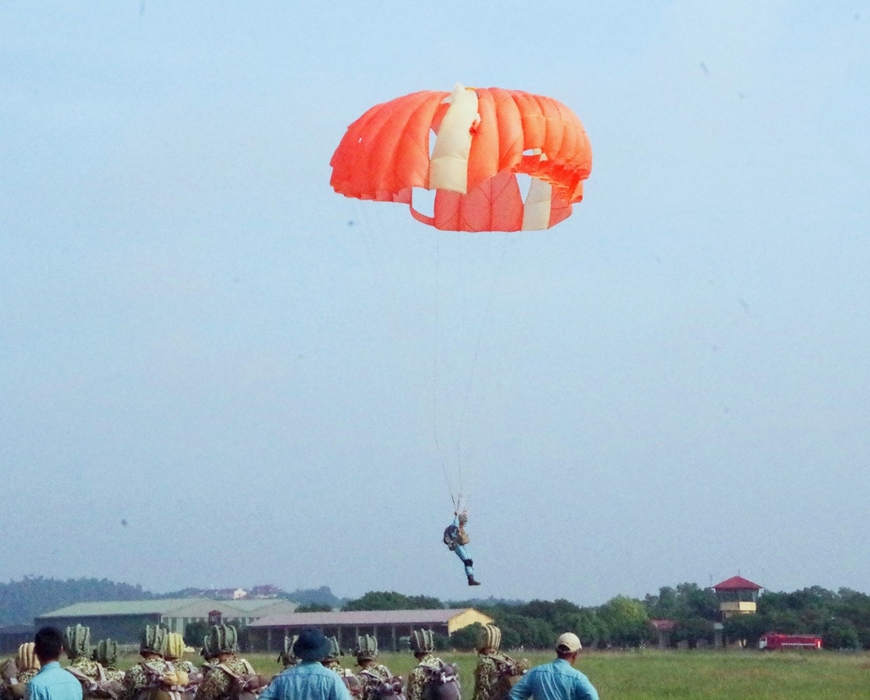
(484, 137)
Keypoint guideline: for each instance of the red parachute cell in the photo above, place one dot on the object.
(484, 137)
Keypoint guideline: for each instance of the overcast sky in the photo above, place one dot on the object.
(216, 371)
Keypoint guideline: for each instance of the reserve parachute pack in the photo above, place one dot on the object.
(387, 690)
(442, 682)
(245, 686)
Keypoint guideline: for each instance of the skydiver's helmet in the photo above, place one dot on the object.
(334, 648)
(223, 639)
(26, 659)
(490, 637)
(153, 640)
(77, 641)
(174, 646)
(106, 652)
(422, 641)
(366, 648)
(287, 657)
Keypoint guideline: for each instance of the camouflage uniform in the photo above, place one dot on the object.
(420, 678)
(143, 676)
(370, 677)
(218, 684)
(85, 667)
(114, 674)
(492, 676)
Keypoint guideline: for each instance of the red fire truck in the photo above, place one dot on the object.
(773, 640)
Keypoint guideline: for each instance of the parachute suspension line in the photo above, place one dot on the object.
(483, 319)
(435, 380)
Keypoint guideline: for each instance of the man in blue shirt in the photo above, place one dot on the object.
(52, 682)
(558, 680)
(308, 680)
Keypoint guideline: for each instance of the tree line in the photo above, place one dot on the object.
(841, 618)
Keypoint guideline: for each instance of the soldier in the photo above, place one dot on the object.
(333, 664)
(372, 674)
(287, 658)
(231, 678)
(495, 673)
(431, 679)
(89, 672)
(106, 654)
(151, 676)
(17, 673)
(455, 537)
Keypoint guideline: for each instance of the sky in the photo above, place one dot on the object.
(215, 371)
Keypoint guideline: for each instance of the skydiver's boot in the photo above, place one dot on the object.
(472, 582)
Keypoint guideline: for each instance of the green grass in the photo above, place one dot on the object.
(700, 675)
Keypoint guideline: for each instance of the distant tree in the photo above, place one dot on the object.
(747, 628)
(195, 632)
(390, 600)
(314, 607)
(309, 596)
(627, 621)
(467, 638)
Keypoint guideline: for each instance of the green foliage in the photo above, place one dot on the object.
(390, 600)
(467, 638)
(627, 621)
(314, 596)
(314, 607)
(194, 632)
(21, 601)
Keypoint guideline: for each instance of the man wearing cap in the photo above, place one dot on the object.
(558, 680)
(308, 680)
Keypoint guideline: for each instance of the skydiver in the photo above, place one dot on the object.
(456, 538)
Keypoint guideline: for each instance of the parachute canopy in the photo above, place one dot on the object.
(484, 137)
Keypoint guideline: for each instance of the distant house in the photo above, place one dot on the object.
(265, 591)
(737, 596)
(123, 620)
(267, 633)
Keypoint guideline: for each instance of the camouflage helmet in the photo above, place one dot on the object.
(206, 652)
(77, 641)
(287, 656)
(334, 648)
(26, 659)
(106, 652)
(223, 639)
(422, 641)
(366, 647)
(174, 646)
(490, 637)
(153, 640)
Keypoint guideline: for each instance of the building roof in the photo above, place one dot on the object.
(361, 618)
(736, 583)
(171, 607)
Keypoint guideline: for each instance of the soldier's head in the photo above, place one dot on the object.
(311, 645)
(366, 650)
(26, 659)
(153, 642)
(48, 644)
(174, 647)
(77, 641)
(106, 652)
(287, 657)
(334, 649)
(489, 640)
(568, 647)
(422, 643)
(223, 641)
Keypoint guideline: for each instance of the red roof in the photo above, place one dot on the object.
(737, 583)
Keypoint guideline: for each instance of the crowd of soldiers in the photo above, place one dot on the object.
(164, 674)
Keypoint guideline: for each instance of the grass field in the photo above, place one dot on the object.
(701, 675)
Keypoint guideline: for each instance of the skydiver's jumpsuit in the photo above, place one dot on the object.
(451, 539)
